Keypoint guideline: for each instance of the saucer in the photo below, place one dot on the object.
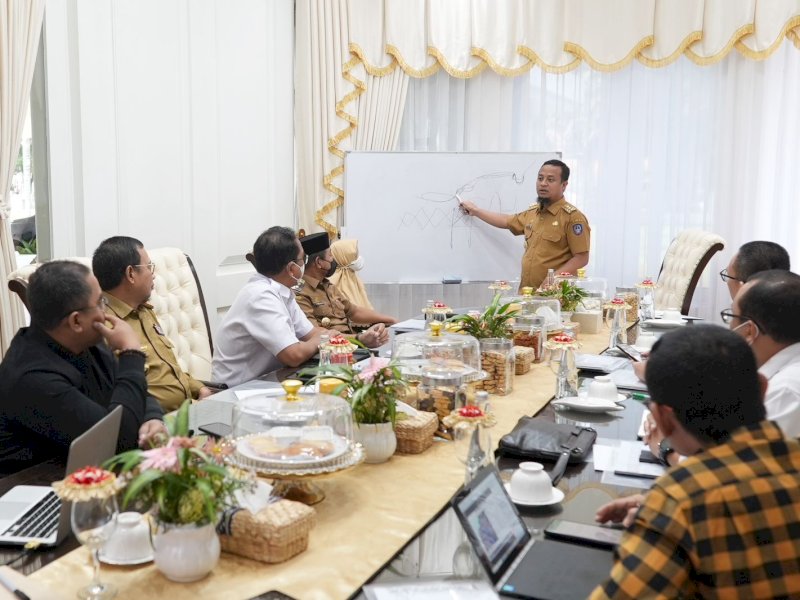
(620, 398)
(557, 496)
(587, 405)
(123, 562)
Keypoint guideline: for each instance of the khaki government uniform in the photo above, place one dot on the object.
(325, 306)
(553, 235)
(166, 381)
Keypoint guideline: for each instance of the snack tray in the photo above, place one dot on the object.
(354, 455)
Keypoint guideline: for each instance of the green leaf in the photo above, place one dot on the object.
(181, 424)
(140, 482)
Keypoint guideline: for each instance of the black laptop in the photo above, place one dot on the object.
(517, 565)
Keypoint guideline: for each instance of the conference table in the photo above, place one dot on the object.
(374, 520)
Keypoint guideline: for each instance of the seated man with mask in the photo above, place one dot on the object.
(325, 306)
(264, 329)
(724, 522)
(59, 377)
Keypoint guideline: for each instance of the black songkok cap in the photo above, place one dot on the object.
(316, 242)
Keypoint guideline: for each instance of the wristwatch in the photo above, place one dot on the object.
(664, 450)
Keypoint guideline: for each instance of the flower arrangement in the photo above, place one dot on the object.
(184, 480)
(494, 322)
(372, 391)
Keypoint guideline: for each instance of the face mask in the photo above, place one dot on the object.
(746, 339)
(299, 280)
(357, 264)
(332, 270)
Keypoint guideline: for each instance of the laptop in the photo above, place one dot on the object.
(517, 565)
(33, 513)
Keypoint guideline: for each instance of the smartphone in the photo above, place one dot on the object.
(645, 456)
(630, 352)
(217, 430)
(594, 535)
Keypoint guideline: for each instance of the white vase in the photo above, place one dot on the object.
(378, 440)
(185, 553)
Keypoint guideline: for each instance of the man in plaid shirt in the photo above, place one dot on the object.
(725, 522)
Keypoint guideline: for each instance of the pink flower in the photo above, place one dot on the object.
(161, 459)
(372, 369)
(181, 442)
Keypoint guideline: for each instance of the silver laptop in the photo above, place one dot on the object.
(33, 513)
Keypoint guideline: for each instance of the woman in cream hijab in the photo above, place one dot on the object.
(345, 253)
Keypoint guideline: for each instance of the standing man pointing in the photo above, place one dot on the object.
(556, 233)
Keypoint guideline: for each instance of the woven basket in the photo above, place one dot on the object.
(274, 534)
(523, 357)
(415, 434)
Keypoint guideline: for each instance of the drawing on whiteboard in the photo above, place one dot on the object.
(447, 213)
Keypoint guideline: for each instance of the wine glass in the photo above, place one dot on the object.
(472, 444)
(93, 522)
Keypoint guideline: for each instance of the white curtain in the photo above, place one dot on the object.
(20, 27)
(652, 151)
(339, 107)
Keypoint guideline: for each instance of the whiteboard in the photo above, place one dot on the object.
(402, 209)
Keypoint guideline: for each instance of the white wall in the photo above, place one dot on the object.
(171, 121)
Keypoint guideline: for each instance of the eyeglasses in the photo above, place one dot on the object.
(102, 304)
(725, 276)
(151, 266)
(728, 316)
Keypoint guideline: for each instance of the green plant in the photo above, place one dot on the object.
(26, 246)
(493, 322)
(372, 391)
(568, 294)
(184, 480)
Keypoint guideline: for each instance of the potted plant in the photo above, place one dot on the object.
(372, 392)
(569, 295)
(186, 485)
(493, 330)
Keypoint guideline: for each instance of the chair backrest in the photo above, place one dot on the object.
(177, 300)
(684, 262)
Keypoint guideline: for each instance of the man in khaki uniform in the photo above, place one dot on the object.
(556, 233)
(126, 276)
(326, 307)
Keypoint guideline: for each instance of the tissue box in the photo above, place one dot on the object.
(272, 535)
(590, 322)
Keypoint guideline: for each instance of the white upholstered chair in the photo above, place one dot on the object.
(686, 258)
(177, 301)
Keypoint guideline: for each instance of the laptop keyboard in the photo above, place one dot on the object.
(40, 521)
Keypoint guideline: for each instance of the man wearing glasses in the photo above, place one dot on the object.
(751, 258)
(58, 378)
(126, 275)
(265, 329)
(764, 313)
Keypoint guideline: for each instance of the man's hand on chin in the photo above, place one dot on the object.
(151, 432)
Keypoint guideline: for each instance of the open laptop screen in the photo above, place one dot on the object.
(492, 522)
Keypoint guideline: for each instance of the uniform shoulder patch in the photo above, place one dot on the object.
(577, 228)
(568, 208)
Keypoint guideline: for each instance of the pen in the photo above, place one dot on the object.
(636, 475)
(9, 585)
(640, 396)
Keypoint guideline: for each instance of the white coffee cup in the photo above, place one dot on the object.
(672, 314)
(130, 540)
(530, 483)
(602, 388)
(645, 340)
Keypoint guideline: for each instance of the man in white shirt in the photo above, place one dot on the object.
(765, 313)
(265, 328)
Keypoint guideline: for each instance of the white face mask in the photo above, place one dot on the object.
(357, 264)
(299, 280)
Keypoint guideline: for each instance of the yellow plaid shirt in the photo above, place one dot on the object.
(724, 523)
